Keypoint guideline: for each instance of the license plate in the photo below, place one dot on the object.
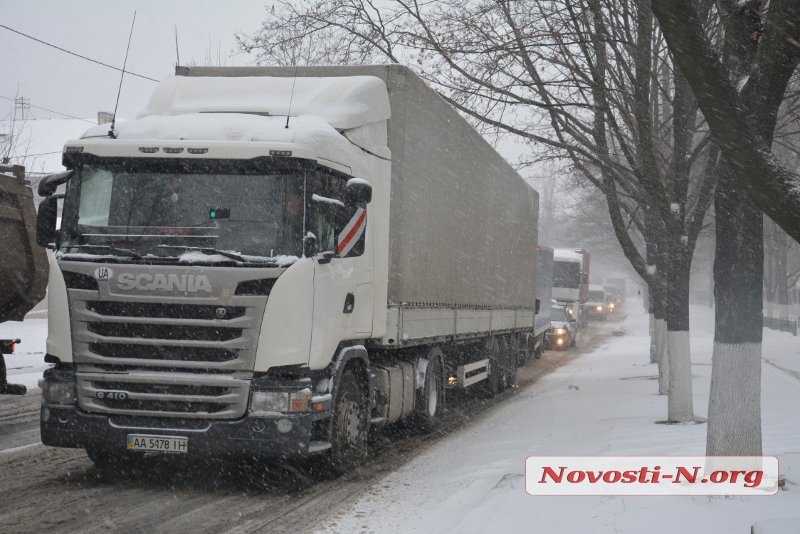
(143, 442)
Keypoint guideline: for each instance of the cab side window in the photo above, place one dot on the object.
(338, 227)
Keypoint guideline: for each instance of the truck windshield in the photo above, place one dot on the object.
(190, 210)
(566, 274)
(597, 296)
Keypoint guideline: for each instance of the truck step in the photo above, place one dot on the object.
(319, 446)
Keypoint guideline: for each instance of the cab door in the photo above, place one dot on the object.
(342, 273)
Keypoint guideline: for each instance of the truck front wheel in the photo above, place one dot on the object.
(350, 427)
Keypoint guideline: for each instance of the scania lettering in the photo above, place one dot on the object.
(151, 282)
(225, 284)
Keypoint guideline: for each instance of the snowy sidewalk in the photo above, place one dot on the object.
(603, 403)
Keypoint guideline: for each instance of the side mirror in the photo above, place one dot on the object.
(309, 245)
(538, 306)
(46, 221)
(357, 191)
(48, 184)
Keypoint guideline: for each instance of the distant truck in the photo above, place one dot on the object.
(23, 263)
(617, 288)
(571, 281)
(544, 297)
(597, 303)
(272, 261)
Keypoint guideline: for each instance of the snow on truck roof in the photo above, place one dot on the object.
(344, 102)
(254, 109)
(565, 254)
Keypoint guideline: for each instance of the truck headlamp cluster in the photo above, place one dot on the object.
(560, 331)
(599, 308)
(267, 403)
(58, 392)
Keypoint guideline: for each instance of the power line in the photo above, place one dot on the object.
(75, 54)
(40, 154)
(49, 110)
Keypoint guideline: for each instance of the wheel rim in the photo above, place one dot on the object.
(349, 427)
(433, 392)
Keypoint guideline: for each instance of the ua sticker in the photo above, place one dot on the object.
(103, 274)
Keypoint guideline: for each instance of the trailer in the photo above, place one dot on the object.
(23, 263)
(271, 262)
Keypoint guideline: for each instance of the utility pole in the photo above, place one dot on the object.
(21, 105)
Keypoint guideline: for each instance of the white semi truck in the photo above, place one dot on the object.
(271, 261)
(571, 282)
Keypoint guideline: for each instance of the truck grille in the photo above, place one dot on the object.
(152, 331)
(177, 395)
(162, 356)
(200, 354)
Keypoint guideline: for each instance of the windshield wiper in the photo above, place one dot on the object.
(208, 250)
(115, 250)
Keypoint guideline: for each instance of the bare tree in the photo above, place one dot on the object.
(743, 121)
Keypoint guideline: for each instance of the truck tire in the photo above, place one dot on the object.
(508, 363)
(539, 347)
(349, 426)
(430, 403)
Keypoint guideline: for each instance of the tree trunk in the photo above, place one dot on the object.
(680, 407)
(734, 406)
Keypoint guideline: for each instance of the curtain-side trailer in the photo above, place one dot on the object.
(271, 261)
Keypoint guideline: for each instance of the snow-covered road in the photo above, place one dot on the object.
(601, 400)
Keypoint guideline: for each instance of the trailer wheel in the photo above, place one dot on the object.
(521, 355)
(490, 386)
(349, 426)
(429, 405)
(507, 362)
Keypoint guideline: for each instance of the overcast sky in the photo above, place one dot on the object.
(99, 29)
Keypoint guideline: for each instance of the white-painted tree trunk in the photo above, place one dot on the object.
(653, 353)
(662, 355)
(734, 404)
(679, 405)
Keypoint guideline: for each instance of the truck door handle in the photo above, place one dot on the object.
(349, 303)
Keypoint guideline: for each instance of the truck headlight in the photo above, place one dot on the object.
(599, 308)
(58, 392)
(265, 403)
(560, 331)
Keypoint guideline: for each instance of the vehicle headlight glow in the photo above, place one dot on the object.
(599, 308)
(561, 331)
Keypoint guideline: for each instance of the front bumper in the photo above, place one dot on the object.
(281, 436)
